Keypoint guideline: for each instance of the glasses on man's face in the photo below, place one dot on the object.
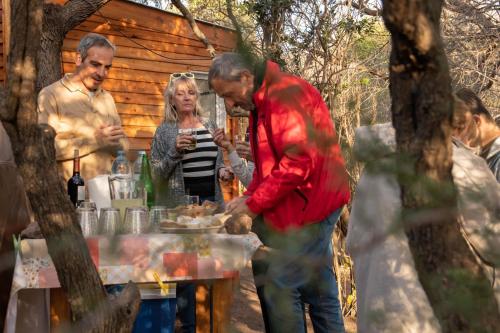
(175, 76)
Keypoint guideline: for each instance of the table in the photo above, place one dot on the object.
(216, 258)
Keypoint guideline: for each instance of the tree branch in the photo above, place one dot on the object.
(201, 36)
(360, 6)
(75, 12)
(236, 25)
(466, 8)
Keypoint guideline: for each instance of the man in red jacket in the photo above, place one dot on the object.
(298, 190)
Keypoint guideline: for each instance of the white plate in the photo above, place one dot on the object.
(203, 230)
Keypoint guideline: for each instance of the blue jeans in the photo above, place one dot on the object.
(299, 272)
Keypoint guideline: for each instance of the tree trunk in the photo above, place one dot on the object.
(422, 107)
(34, 151)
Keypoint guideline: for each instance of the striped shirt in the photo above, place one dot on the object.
(198, 166)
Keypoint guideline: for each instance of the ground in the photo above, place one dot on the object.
(246, 315)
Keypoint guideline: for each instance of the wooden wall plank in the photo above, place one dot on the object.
(134, 120)
(144, 65)
(159, 20)
(134, 98)
(5, 37)
(172, 47)
(191, 55)
(140, 143)
(119, 28)
(139, 131)
(137, 75)
(138, 109)
(135, 86)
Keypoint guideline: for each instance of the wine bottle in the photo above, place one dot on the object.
(76, 185)
(147, 181)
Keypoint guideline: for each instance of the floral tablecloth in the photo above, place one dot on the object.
(175, 257)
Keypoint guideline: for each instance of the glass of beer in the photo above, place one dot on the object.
(192, 134)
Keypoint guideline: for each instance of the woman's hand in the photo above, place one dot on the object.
(243, 150)
(226, 174)
(182, 142)
(222, 140)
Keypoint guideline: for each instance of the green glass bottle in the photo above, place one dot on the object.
(147, 181)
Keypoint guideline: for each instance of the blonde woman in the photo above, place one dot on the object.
(179, 169)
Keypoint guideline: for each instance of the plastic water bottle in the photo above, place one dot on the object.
(121, 165)
(138, 165)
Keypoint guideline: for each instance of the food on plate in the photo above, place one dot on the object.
(186, 221)
(171, 224)
(208, 208)
(239, 224)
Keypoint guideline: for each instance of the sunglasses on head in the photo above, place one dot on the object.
(175, 76)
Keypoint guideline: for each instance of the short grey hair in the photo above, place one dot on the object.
(93, 39)
(228, 67)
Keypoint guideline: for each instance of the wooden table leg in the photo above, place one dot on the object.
(60, 313)
(202, 308)
(222, 299)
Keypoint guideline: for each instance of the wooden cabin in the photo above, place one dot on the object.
(151, 44)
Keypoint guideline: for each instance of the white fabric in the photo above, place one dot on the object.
(99, 191)
(390, 297)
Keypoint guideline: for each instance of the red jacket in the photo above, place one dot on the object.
(299, 176)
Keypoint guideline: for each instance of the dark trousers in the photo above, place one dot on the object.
(186, 306)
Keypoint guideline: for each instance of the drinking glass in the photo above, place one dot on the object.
(136, 220)
(156, 215)
(87, 204)
(192, 199)
(87, 217)
(109, 221)
(125, 192)
(189, 132)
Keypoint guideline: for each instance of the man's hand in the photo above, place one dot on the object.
(243, 150)
(222, 140)
(109, 135)
(239, 224)
(238, 206)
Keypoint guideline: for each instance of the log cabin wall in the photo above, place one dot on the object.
(151, 44)
(4, 38)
